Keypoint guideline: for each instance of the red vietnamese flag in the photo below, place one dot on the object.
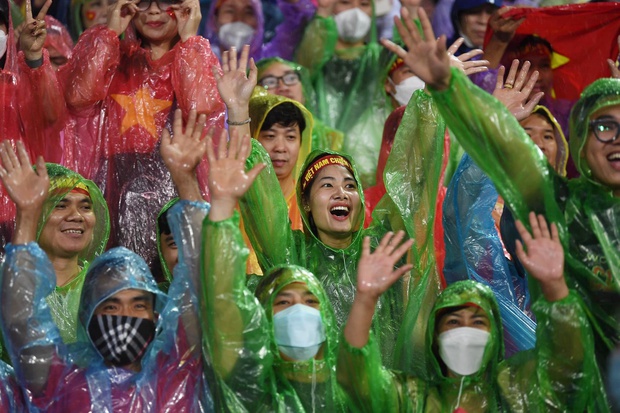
(583, 37)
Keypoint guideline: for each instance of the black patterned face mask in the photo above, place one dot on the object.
(121, 340)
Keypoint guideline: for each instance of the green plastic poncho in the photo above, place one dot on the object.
(350, 95)
(167, 272)
(64, 301)
(411, 185)
(549, 378)
(323, 137)
(250, 374)
(587, 213)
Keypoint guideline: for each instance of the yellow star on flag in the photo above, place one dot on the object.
(140, 109)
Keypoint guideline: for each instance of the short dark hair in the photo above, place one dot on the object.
(286, 114)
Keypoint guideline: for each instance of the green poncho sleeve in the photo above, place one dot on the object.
(318, 44)
(238, 337)
(560, 374)
(373, 388)
(265, 215)
(492, 136)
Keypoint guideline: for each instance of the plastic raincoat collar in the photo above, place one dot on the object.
(600, 94)
(267, 290)
(304, 214)
(459, 294)
(63, 181)
(116, 270)
(262, 103)
(211, 31)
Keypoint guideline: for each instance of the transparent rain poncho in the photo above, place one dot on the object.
(251, 374)
(64, 301)
(166, 272)
(58, 378)
(586, 212)
(323, 136)
(411, 186)
(120, 100)
(555, 376)
(287, 35)
(349, 89)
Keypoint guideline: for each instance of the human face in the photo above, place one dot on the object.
(541, 63)
(236, 11)
(471, 316)
(56, 58)
(604, 158)
(130, 303)
(156, 26)
(473, 23)
(295, 293)
(278, 70)
(364, 5)
(93, 13)
(282, 143)
(397, 76)
(69, 228)
(542, 133)
(169, 251)
(335, 205)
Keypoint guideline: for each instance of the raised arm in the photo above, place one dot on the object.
(360, 369)
(27, 276)
(236, 331)
(488, 132)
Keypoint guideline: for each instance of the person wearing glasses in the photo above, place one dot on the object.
(285, 78)
(122, 93)
(586, 209)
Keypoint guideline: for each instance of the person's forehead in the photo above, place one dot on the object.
(296, 287)
(131, 294)
(608, 111)
(277, 69)
(538, 120)
(237, 4)
(336, 171)
(470, 310)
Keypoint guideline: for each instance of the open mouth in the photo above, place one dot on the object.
(73, 231)
(614, 157)
(340, 211)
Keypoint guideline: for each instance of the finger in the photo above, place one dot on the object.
(531, 104)
(245, 53)
(191, 123)
(512, 73)
(221, 144)
(22, 155)
(366, 247)
(201, 124)
(209, 141)
(536, 233)
(253, 173)
(440, 47)
(402, 249)
(544, 228)
(28, 11)
(225, 63)
(166, 139)
(44, 10)
(394, 48)
(427, 28)
(395, 241)
(232, 56)
(253, 72)
(521, 252)
(396, 274)
(245, 148)
(469, 55)
(455, 46)
(522, 75)
(177, 122)
(12, 159)
(530, 83)
(216, 73)
(523, 232)
(41, 168)
(472, 70)
(499, 83)
(5, 147)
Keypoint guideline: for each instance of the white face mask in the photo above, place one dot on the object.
(353, 25)
(235, 34)
(462, 349)
(3, 41)
(299, 331)
(405, 89)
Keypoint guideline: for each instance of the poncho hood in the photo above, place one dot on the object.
(164, 268)
(309, 228)
(561, 158)
(63, 181)
(459, 294)
(600, 94)
(261, 103)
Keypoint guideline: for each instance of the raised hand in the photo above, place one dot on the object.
(26, 187)
(515, 92)
(613, 66)
(426, 57)
(544, 259)
(188, 17)
(228, 180)
(234, 84)
(33, 33)
(120, 15)
(463, 62)
(504, 28)
(375, 271)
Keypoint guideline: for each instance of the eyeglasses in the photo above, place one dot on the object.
(164, 5)
(605, 130)
(271, 82)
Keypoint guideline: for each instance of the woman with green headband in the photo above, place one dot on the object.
(288, 79)
(587, 209)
